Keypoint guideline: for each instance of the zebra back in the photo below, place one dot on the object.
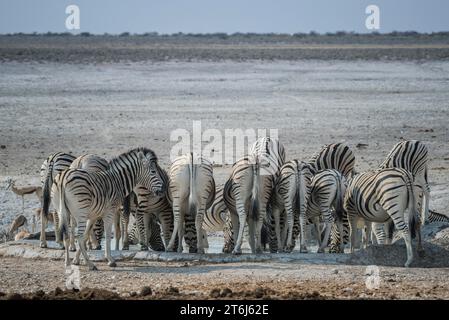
(336, 156)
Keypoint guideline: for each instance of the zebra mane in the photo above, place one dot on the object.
(145, 151)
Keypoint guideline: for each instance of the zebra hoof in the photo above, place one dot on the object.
(76, 262)
(112, 264)
(421, 253)
(200, 251)
(43, 244)
(93, 268)
(407, 264)
(192, 250)
(125, 248)
(97, 248)
(303, 250)
(237, 252)
(72, 248)
(320, 250)
(143, 248)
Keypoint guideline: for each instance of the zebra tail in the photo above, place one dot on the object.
(254, 203)
(46, 194)
(192, 191)
(300, 194)
(63, 213)
(413, 214)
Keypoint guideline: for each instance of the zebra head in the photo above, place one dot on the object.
(150, 174)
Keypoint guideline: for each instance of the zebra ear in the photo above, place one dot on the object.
(143, 158)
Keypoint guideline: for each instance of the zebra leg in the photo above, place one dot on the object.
(340, 228)
(230, 236)
(124, 219)
(67, 252)
(302, 231)
(166, 222)
(82, 236)
(277, 227)
(329, 220)
(258, 231)
(199, 229)
(352, 232)
(241, 226)
(108, 231)
(251, 234)
(43, 240)
(72, 234)
(368, 238)
(176, 213)
(140, 221)
(420, 249)
(117, 231)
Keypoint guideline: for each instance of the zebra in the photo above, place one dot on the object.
(150, 211)
(327, 190)
(272, 153)
(91, 162)
(338, 156)
(192, 191)
(54, 164)
(379, 195)
(412, 155)
(291, 194)
(246, 194)
(88, 195)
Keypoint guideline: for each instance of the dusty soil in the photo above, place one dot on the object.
(43, 279)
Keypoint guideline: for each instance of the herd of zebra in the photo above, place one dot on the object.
(270, 198)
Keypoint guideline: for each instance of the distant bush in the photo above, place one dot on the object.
(124, 34)
(85, 34)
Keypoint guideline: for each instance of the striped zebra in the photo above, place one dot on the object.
(88, 196)
(338, 156)
(272, 153)
(377, 196)
(290, 198)
(192, 192)
(246, 194)
(52, 166)
(325, 202)
(90, 162)
(412, 155)
(153, 217)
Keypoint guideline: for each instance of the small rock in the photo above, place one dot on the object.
(58, 291)
(335, 271)
(215, 293)
(2, 146)
(146, 291)
(226, 292)
(259, 293)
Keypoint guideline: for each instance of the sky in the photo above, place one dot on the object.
(207, 16)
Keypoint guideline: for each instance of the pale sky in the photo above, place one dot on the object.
(206, 16)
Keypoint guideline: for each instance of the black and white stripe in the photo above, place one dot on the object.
(192, 192)
(51, 167)
(412, 155)
(290, 201)
(325, 203)
(88, 196)
(377, 196)
(336, 156)
(246, 194)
